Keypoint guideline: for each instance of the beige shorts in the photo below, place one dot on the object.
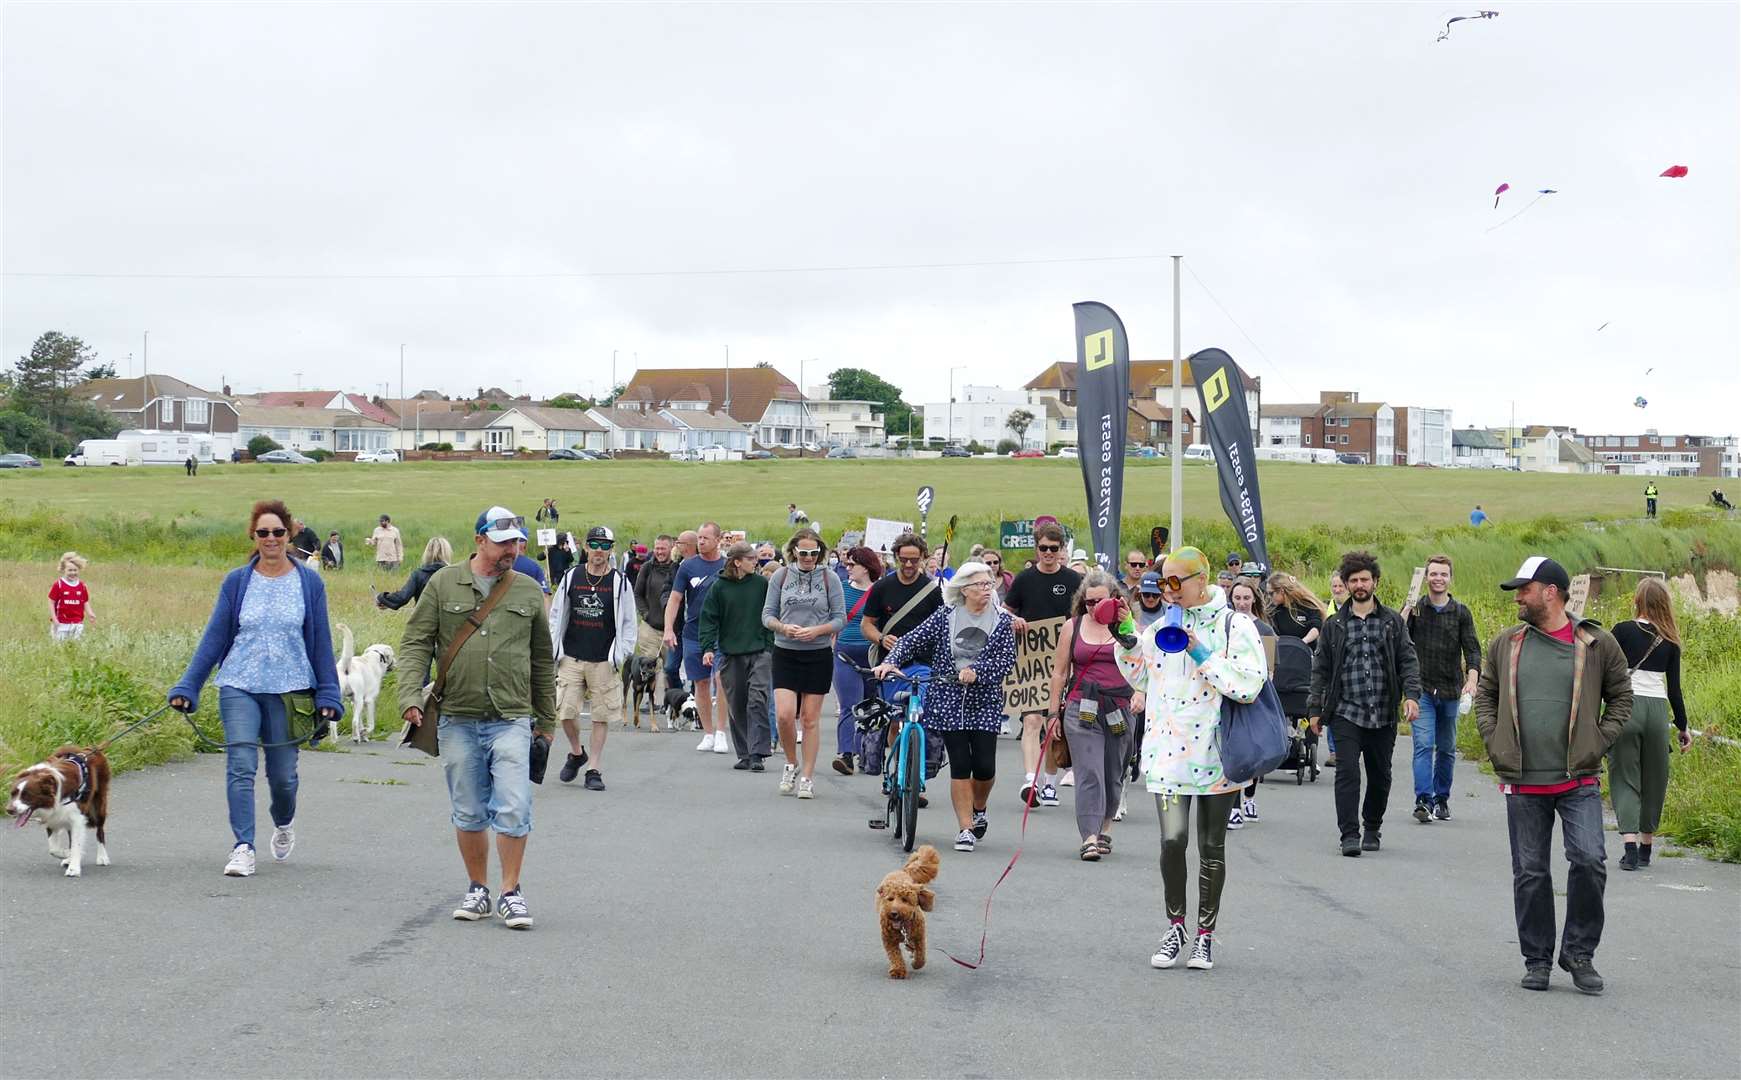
(648, 641)
(597, 686)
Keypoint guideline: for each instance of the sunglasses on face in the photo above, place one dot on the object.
(994, 562)
(808, 553)
(1175, 582)
(906, 561)
(264, 533)
(1047, 547)
(1136, 565)
(601, 545)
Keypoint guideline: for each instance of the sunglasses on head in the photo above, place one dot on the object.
(1175, 582)
(601, 545)
(1048, 547)
(499, 524)
(264, 533)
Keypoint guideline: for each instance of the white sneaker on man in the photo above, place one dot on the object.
(241, 862)
(706, 743)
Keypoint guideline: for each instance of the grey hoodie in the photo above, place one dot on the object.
(805, 598)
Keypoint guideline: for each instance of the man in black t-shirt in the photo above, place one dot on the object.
(592, 626)
(893, 592)
(1042, 591)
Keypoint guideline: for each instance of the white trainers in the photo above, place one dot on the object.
(1235, 820)
(706, 743)
(283, 842)
(806, 788)
(1249, 809)
(1068, 779)
(241, 862)
(1172, 944)
(788, 778)
(721, 742)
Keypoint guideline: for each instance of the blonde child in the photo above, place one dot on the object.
(69, 601)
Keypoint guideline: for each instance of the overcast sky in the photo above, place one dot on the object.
(1326, 170)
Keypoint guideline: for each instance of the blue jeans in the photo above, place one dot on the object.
(1435, 734)
(674, 665)
(489, 780)
(1530, 820)
(256, 718)
(849, 690)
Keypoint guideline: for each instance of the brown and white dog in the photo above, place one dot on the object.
(68, 793)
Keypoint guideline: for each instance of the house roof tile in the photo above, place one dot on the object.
(751, 389)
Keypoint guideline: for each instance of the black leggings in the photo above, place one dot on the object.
(972, 754)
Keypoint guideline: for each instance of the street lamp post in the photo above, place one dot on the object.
(951, 436)
(401, 409)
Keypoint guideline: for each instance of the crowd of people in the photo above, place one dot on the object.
(1553, 696)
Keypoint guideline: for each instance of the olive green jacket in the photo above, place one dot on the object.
(1601, 700)
(504, 670)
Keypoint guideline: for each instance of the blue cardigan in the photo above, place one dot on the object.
(226, 618)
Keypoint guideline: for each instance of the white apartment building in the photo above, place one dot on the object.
(979, 413)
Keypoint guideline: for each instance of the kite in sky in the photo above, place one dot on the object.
(1446, 32)
(1541, 193)
(1639, 402)
(1497, 192)
(1674, 172)
(1603, 327)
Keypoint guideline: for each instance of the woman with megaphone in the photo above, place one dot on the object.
(1200, 652)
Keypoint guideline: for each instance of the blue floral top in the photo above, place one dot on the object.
(952, 706)
(269, 656)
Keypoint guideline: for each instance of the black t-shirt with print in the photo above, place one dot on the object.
(889, 596)
(592, 623)
(1042, 596)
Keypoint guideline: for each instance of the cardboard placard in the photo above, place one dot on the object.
(1578, 596)
(1415, 584)
(546, 537)
(880, 533)
(1028, 686)
(732, 536)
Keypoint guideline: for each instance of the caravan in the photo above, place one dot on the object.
(104, 452)
(175, 447)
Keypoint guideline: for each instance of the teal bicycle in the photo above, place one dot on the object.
(904, 759)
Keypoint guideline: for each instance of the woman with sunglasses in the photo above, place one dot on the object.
(269, 639)
(1001, 579)
(1092, 697)
(805, 608)
(971, 637)
(1181, 759)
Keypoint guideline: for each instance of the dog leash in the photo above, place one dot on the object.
(198, 735)
(1021, 842)
(130, 728)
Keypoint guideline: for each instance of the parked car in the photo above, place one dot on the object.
(1066, 451)
(1141, 452)
(812, 448)
(757, 455)
(1350, 459)
(685, 455)
(284, 457)
(843, 452)
(563, 453)
(378, 457)
(1199, 452)
(956, 451)
(19, 461)
(1027, 453)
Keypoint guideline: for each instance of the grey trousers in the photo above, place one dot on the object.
(747, 679)
(1098, 758)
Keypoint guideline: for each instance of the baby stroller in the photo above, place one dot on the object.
(1293, 683)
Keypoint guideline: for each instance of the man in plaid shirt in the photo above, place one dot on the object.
(1443, 631)
(1364, 669)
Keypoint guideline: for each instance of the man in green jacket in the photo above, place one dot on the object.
(1554, 695)
(501, 678)
(735, 643)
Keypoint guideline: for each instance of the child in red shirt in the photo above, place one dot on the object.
(69, 601)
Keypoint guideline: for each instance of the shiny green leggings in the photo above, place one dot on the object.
(1638, 766)
(1212, 813)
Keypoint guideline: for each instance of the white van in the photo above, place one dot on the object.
(104, 452)
(1199, 452)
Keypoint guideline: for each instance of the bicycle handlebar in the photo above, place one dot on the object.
(916, 680)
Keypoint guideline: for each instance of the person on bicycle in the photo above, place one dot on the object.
(1181, 756)
(1091, 698)
(972, 643)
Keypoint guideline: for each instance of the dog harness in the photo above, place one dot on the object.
(84, 787)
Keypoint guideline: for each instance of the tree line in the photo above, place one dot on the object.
(38, 412)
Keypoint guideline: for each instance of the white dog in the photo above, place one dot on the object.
(360, 678)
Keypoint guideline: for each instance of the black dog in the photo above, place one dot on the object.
(681, 710)
(639, 677)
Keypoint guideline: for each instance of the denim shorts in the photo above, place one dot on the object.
(488, 765)
(693, 668)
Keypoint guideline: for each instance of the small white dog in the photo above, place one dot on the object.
(360, 679)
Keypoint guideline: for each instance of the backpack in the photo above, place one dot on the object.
(1253, 739)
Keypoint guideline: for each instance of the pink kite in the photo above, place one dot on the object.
(1674, 172)
(1497, 192)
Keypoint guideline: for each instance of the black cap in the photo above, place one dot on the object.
(600, 532)
(1539, 568)
(1234, 557)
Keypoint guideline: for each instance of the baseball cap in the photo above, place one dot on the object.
(1539, 568)
(1151, 584)
(1078, 555)
(501, 524)
(1234, 557)
(600, 532)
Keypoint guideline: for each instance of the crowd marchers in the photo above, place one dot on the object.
(760, 637)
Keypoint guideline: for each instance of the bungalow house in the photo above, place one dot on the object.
(325, 399)
(699, 429)
(302, 428)
(1150, 379)
(479, 429)
(536, 427)
(629, 429)
(768, 404)
(161, 403)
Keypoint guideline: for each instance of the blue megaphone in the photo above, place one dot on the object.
(1171, 637)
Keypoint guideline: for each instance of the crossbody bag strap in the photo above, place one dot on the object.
(1632, 669)
(907, 607)
(472, 622)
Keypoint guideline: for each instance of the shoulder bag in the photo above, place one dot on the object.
(1252, 738)
(876, 649)
(423, 736)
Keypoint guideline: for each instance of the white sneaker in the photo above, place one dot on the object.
(1235, 820)
(706, 743)
(1068, 779)
(721, 743)
(1249, 809)
(283, 842)
(241, 862)
(788, 778)
(806, 788)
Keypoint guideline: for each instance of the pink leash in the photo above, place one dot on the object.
(1021, 841)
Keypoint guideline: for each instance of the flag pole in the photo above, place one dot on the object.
(1178, 484)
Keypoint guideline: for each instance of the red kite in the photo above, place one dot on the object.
(1497, 192)
(1674, 172)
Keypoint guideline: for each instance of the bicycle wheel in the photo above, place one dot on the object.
(892, 783)
(914, 757)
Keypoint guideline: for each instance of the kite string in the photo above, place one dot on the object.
(1539, 197)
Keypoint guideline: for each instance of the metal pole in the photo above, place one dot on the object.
(145, 358)
(401, 409)
(612, 391)
(1178, 532)
(801, 363)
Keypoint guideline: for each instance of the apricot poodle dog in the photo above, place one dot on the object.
(902, 901)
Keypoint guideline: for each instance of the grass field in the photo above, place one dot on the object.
(158, 540)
